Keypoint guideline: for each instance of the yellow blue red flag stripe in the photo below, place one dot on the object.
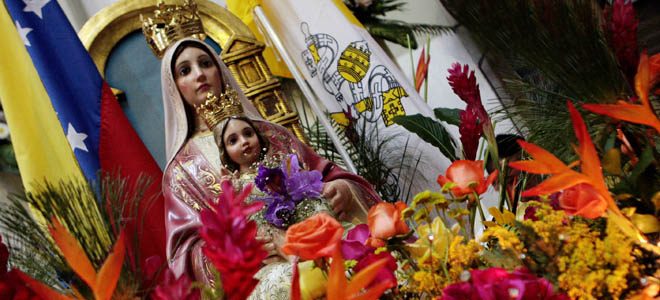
(42, 151)
(97, 131)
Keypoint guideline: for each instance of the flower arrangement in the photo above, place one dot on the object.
(587, 229)
(287, 186)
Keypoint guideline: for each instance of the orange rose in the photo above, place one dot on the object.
(313, 238)
(384, 220)
(583, 200)
(468, 176)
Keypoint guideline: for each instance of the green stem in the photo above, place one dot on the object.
(412, 60)
(426, 81)
(437, 211)
(444, 265)
(460, 222)
(406, 255)
(481, 211)
(473, 218)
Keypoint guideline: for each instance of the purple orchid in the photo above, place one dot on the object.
(286, 186)
(280, 212)
(271, 180)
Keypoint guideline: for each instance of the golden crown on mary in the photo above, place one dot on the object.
(171, 23)
(216, 109)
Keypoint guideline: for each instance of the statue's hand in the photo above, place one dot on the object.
(272, 245)
(338, 192)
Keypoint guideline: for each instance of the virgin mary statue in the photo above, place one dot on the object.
(194, 166)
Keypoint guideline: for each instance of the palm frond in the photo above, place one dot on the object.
(547, 52)
(385, 167)
(430, 29)
(391, 31)
(93, 214)
(398, 31)
(375, 8)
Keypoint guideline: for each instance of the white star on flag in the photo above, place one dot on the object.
(23, 32)
(76, 139)
(35, 6)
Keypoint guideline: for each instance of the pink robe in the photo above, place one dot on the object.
(191, 180)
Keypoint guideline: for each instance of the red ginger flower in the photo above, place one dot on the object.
(620, 28)
(173, 288)
(11, 285)
(474, 117)
(230, 241)
(468, 176)
(470, 132)
(465, 87)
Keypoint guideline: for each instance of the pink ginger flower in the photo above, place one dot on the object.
(230, 241)
(620, 28)
(474, 117)
(173, 288)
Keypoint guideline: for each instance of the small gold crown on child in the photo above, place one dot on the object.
(216, 109)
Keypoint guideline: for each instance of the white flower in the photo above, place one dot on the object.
(4, 131)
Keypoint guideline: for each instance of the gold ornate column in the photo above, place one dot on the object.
(243, 56)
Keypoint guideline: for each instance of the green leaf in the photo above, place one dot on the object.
(430, 131)
(449, 115)
(393, 32)
(645, 160)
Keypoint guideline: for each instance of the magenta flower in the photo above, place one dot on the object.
(385, 274)
(499, 284)
(230, 241)
(353, 246)
(173, 288)
(530, 211)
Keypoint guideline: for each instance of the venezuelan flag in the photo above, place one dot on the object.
(65, 122)
(41, 148)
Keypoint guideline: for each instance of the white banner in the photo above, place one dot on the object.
(350, 73)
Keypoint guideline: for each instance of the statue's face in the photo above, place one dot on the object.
(195, 75)
(241, 143)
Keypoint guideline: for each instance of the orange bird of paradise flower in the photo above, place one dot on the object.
(102, 283)
(563, 176)
(647, 74)
(339, 289)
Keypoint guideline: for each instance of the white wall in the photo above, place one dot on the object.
(79, 11)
